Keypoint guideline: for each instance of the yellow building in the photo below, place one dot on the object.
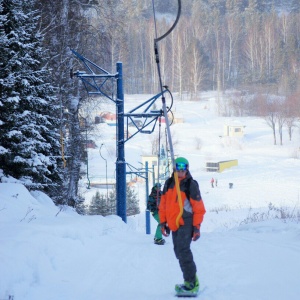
(221, 165)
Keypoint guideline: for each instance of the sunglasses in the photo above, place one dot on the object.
(181, 167)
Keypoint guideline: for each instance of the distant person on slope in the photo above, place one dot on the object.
(189, 222)
(152, 205)
(212, 182)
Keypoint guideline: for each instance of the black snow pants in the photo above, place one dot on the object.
(182, 239)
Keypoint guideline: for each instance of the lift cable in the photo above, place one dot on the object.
(156, 40)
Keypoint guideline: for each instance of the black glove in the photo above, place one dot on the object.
(196, 233)
(165, 230)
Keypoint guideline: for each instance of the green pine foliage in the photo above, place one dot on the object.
(132, 202)
(99, 205)
(29, 140)
(103, 205)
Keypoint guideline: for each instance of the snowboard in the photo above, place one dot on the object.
(183, 293)
(186, 294)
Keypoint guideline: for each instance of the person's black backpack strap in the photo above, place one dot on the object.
(189, 185)
(187, 189)
(193, 190)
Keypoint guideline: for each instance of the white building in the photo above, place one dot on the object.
(165, 167)
(234, 130)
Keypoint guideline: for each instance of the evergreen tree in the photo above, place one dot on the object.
(132, 202)
(98, 205)
(101, 205)
(29, 141)
(66, 27)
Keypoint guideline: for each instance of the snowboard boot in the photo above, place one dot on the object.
(159, 241)
(188, 288)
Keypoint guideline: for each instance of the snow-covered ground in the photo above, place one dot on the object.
(57, 255)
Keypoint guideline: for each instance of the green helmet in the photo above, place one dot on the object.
(181, 160)
(181, 164)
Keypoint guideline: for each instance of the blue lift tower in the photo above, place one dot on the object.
(94, 80)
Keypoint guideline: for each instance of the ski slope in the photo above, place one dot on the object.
(246, 250)
(44, 256)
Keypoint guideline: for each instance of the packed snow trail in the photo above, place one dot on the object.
(68, 256)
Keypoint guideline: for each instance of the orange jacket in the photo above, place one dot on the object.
(169, 206)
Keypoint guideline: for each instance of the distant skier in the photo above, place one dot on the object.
(216, 182)
(152, 205)
(189, 222)
(212, 182)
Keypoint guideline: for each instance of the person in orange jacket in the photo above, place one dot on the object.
(189, 222)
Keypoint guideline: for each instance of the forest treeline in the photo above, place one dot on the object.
(216, 45)
(247, 45)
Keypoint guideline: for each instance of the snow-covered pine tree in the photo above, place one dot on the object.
(29, 137)
(65, 27)
(98, 205)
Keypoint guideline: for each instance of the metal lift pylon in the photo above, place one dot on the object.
(94, 81)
